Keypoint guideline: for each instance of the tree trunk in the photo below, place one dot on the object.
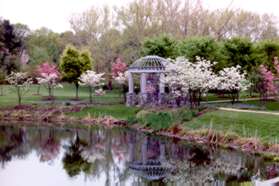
(77, 86)
(49, 91)
(90, 94)
(18, 95)
(124, 93)
(38, 89)
(1, 90)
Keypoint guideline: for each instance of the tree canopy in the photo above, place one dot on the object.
(73, 63)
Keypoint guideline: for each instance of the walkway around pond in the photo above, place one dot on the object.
(248, 111)
(242, 110)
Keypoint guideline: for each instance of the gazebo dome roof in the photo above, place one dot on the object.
(153, 63)
(152, 170)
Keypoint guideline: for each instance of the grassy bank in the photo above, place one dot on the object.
(116, 111)
(265, 127)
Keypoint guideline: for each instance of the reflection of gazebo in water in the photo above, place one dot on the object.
(152, 88)
(155, 168)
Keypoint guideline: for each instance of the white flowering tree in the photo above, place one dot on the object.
(122, 79)
(50, 81)
(93, 81)
(232, 81)
(186, 79)
(20, 82)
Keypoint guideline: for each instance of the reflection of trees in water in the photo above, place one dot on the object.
(13, 144)
(49, 146)
(109, 153)
(223, 166)
(73, 161)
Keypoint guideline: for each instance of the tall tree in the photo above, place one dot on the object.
(11, 45)
(73, 64)
(44, 45)
(266, 51)
(162, 46)
(204, 47)
(239, 51)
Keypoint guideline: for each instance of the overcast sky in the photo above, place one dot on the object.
(55, 14)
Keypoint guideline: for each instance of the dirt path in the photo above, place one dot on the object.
(249, 111)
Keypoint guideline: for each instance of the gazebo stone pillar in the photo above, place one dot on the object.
(130, 97)
(143, 93)
(162, 95)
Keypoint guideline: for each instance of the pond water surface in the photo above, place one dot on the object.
(42, 156)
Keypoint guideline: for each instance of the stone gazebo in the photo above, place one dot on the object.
(151, 70)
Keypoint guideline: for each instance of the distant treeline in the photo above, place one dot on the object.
(185, 28)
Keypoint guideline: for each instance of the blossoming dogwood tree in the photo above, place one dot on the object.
(186, 79)
(232, 81)
(118, 67)
(266, 85)
(48, 76)
(122, 79)
(93, 81)
(20, 82)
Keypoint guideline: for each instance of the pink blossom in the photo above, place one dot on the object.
(268, 78)
(118, 67)
(47, 69)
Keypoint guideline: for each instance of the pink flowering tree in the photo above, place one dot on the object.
(266, 85)
(49, 76)
(118, 67)
(93, 81)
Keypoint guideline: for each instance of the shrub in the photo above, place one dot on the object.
(132, 120)
(157, 121)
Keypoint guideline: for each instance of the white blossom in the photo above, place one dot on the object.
(183, 76)
(100, 92)
(231, 79)
(19, 79)
(20, 82)
(91, 78)
(121, 78)
(93, 81)
(50, 80)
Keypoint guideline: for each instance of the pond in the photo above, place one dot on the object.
(45, 156)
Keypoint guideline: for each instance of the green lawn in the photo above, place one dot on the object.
(266, 127)
(117, 111)
(269, 105)
(215, 97)
(61, 94)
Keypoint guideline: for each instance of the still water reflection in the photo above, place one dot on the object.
(56, 156)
